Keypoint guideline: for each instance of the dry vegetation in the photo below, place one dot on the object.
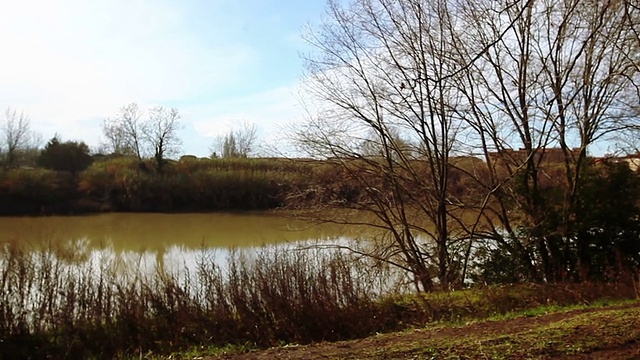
(62, 303)
(125, 184)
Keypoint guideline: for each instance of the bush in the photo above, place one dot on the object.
(69, 156)
(36, 191)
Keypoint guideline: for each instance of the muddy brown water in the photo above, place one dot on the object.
(158, 232)
(143, 240)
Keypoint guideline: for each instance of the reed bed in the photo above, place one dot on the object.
(57, 300)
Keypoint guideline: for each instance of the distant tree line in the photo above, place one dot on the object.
(123, 184)
(131, 132)
(133, 170)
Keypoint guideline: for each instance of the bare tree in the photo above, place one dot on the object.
(160, 133)
(117, 142)
(238, 143)
(128, 127)
(15, 135)
(551, 87)
(246, 139)
(229, 146)
(515, 82)
(156, 136)
(384, 76)
(632, 20)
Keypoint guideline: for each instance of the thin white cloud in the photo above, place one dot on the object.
(69, 64)
(268, 110)
(68, 61)
(272, 111)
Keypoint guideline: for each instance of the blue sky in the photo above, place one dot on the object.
(69, 64)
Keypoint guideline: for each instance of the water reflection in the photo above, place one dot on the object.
(141, 243)
(129, 248)
(159, 232)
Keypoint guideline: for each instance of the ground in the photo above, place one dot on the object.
(609, 332)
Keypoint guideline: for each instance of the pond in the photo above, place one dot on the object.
(143, 241)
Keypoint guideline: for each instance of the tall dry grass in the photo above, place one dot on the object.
(123, 184)
(61, 302)
(126, 184)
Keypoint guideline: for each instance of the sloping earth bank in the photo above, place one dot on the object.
(596, 333)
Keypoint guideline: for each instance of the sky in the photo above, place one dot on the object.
(70, 64)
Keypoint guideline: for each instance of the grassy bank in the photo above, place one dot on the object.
(62, 302)
(125, 184)
(599, 331)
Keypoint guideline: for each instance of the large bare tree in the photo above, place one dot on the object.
(561, 78)
(516, 83)
(384, 77)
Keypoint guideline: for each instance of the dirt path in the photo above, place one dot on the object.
(600, 333)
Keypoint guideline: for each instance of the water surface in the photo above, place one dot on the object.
(142, 232)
